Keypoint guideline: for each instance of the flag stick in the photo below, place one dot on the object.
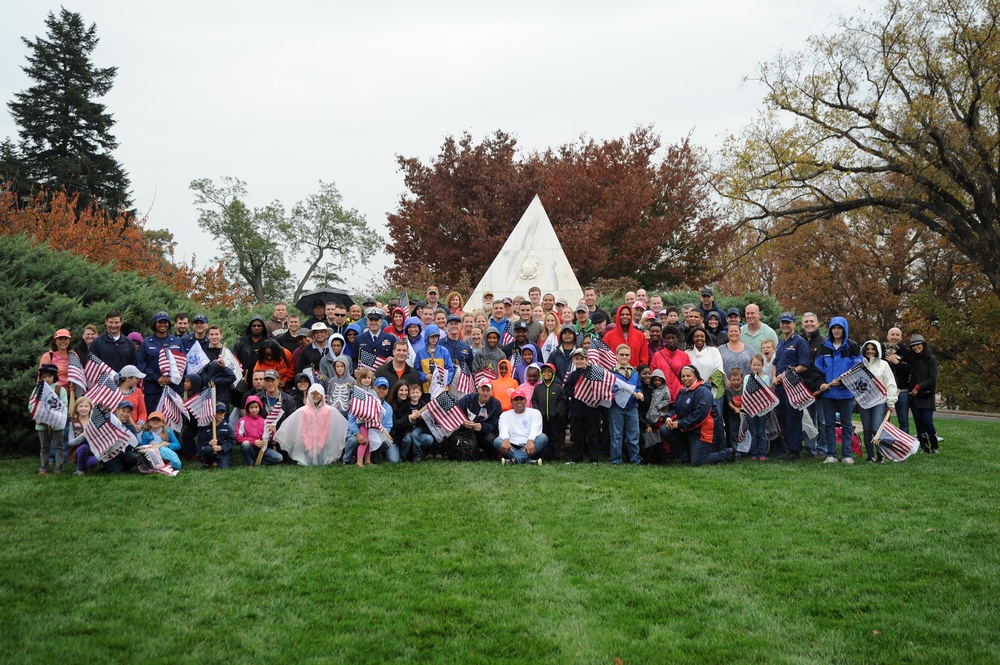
(214, 433)
(880, 427)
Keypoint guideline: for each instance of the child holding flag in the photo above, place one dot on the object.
(49, 405)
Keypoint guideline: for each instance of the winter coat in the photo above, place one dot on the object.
(576, 408)
(630, 335)
(670, 363)
(923, 377)
(521, 367)
(490, 420)
(246, 348)
(548, 399)
(834, 362)
(489, 356)
(504, 383)
(250, 428)
(416, 343)
(115, 353)
(882, 371)
(693, 410)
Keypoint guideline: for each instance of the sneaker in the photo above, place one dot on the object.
(536, 462)
(792, 457)
(42, 471)
(58, 472)
(935, 451)
(570, 462)
(417, 459)
(754, 459)
(79, 473)
(830, 460)
(848, 460)
(761, 459)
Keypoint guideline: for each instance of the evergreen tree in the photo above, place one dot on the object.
(65, 133)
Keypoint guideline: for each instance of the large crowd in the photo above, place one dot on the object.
(504, 379)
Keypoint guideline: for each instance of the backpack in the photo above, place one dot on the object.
(462, 447)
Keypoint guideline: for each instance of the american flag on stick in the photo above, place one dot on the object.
(106, 436)
(172, 363)
(366, 408)
(273, 416)
(201, 407)
(595, 386)
(370, 360)
(895, 444)
(601, 354)
(463, 380)
(487, 373)
(868, 390)
(104, 392)
(75, 373)
(758, 399)
(798, 395)
(172, 407)
(446, 413)
(505, 336)
(46, 407)
(95, 369)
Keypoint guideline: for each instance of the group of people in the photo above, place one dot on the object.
(405, 381)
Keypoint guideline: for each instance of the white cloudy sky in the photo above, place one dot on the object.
(284, 94)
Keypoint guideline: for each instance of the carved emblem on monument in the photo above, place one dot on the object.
(529, 267)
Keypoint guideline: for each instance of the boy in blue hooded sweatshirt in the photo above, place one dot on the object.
(433, 354)
(834, 358)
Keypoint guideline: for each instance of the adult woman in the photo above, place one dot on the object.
(90, 333)
(715, 328)
(59, 355)
(871, 418)
(468, 323)
(482, 321)
(923, 386)
(548, 340)
(566, 316)
(455, 303)
(272, 355)
(691, 426)
(734, 352)
(707, 360)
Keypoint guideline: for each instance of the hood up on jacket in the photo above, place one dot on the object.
(838, 321)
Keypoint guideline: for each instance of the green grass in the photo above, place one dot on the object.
(478, 563)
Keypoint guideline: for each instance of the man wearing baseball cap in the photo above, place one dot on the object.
(199, 334)
(521, 440)
(273, 397)
(373, 340)
(482, 416)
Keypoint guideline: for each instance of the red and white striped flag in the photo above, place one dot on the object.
(758, 399)
(273, 416)
(439, 379)
(868, 390)
(75, 373)
(201, 407)
(172, 407)
(798, 395)
(463, 380)
(104, 392)
(46, 407)
(370, 359)
(601, 354)
(106, 436)
(172, 363)
(506, 337)
(95, 369)
(150, 461)
(895, 444)
(487, 373)
(446, 413)
(595, 386)
(366, 408)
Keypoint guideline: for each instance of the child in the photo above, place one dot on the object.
(658, 401)
(299, 390)
(189, 430)
(250, 435)
(85, 459)
(528, 356)
(340, 384)
(584, 420)
(127, 459)
(734, 402)
(532, 375)
(421, 440)
(49, 434)
(757, 425)
(548, 399)
(767, 349)
(216, 449)
(624, 417)
(156, 434)
(365, 379)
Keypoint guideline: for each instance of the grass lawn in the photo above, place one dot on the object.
(478, 563)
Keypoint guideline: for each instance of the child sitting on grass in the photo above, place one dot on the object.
(157, 434)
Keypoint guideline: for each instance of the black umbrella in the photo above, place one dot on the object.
(304, 303)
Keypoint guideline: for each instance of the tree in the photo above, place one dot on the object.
(897, 112)
(65, 133)
(252, 239)
(334, 236)
(621, 208)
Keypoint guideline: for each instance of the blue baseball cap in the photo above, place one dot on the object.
(381, 382)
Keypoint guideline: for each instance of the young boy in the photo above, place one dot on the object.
(417, 441)
(584, 420)
(548, 399)
(767, 348)
(216, 451)
(733, 408)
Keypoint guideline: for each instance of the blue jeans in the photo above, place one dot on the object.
(250, 451)
(351, 449)
(689, 446)
(417, 442)
(871, 420)
(628, 420)
(757, 427)
(790, 420)
(831, 407)
(903, 410)
(519, 455)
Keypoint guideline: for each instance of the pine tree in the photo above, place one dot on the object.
(65, 133)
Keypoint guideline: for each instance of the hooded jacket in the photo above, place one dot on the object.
(560, 357)
(416, 343)
(503, 384)
(440, 356)
(548, 398)
(391, 329)
(250, 427)
(693, 411)
(488, 356)
(833, 362)
(658, 402)
(882, 371)
(630, 335)
(521, 367)
(348, 346)
(246, 347)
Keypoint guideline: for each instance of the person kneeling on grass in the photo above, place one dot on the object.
(216, 447)
(692, 427)
(521, 440)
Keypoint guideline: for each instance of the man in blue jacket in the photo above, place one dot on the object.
(792, 353)
(837, 355)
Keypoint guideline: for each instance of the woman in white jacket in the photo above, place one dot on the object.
(871, 419)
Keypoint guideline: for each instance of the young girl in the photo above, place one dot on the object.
(313, 435)
(49, 434)
(302, 383)
(250, 435)
(767, 354)
(157, 434)
(339, 385)
(757, 425)
(85, 460)
(528, 356)
(365, 379)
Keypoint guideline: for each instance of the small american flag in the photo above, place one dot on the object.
(150, 461)
(505, 336)
(95, 369)
(463, 381)
(273, 416)
(439, 379)
(868, 390)
(595, 386)
(366, 408)
(798, 395)
(75, 373)
(601, 354)
(172, 407)
(446, 412)
(104, 392)
(404, 302)
(105, 434)
(895, 444)
(172, 363)
(201, 407)
(370, 360)
(758, 399)
(46, 407)
(487, 373)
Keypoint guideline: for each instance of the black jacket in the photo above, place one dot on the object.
(116, 354)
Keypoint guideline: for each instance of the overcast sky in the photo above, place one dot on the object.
(285, 94)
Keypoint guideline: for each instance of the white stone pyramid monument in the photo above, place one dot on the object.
(532, 256)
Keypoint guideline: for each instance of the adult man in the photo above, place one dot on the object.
(200, 334)
(535, 296)
(461, 352)
(182, 324)
(278, 323)
(520, 440)
(707, 305)
(508, 309)
(548, 302)
(756, 331)
(290, 338)
(626, 333)
(310, 356)
(640, 294)
(513, 349)
(217, 371)
(590, 300)
(336, 319)
(432, 297)
(149, 360)
(583, 326)
(398, 369)
(600, 323)
(373, 340)
(498, 320)
(655, 305)
(813, 377)
(318, 313)
(246, 347)
(792, 352)
(487, 301)
(272, 397)
(630, 298)
(111, 346)
(534, 327)
(683, 322)
(900, 360)
(482, 416)
(733, 316)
